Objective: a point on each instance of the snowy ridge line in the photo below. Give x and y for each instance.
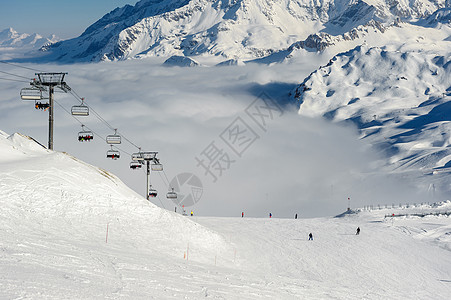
(32, 139)
(243, 29)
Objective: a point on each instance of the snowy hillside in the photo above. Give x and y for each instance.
(398, 95)
(243, 29)
(71, 230)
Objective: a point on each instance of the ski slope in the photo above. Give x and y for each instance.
(70, 230)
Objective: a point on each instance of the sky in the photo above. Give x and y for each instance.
(66, 19)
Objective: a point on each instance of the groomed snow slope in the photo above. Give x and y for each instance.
(54, 216)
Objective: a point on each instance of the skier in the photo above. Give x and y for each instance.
(358, 231)
(242, 214)
(192, 213)
(270, 215)
(296, 216)
(310, 236)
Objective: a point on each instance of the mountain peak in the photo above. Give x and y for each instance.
(238, 29)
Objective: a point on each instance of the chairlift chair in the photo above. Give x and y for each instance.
(80, 110)
(137, 156)
(85, 135)
(135, 165)
(32, 93)
(152, 192)
(41, 106)
(113, 154)
(113, 138)
(171, 195)
(156, 167)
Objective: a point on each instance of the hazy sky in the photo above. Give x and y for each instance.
(66, 19)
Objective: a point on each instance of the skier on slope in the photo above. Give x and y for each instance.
(310, 236)
(358, 231)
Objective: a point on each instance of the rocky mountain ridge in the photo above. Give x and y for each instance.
(233, 29)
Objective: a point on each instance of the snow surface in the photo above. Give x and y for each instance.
(71, 230)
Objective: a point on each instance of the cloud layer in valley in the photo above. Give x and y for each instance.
(290, 165)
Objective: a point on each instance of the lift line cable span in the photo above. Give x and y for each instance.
(96, 134)
(11, 74)
(17, 80)
(19, 66)
(72, 92)
(102, 119)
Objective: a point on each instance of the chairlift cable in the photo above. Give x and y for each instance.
(16, 75)
(93, 110)
(14, 80)
(8, 63)
(160, 201)
(169, 183)
(98, 135)
(125, 138)
(102, 119)
(68, 112)
(162, 178)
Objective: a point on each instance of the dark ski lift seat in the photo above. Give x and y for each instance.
(32, 93)
(80, 110)
(171, 195)
(85, 135)
(113, 138)
(41, 106)
(113, 154)
(135, 165)
(152, 193)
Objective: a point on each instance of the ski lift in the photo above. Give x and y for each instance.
(156, 166)
(113, 154)
(137, 156)
(135, 165)
(152, 192)
(41, 106)
(171, 195)
(85, 135)
(113, 138)
(80, 110)
(32, 93)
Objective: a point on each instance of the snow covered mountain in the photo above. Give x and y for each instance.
(234, 29)
(398, 95)
(71, 230)
(15, 45)
(11, 38)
